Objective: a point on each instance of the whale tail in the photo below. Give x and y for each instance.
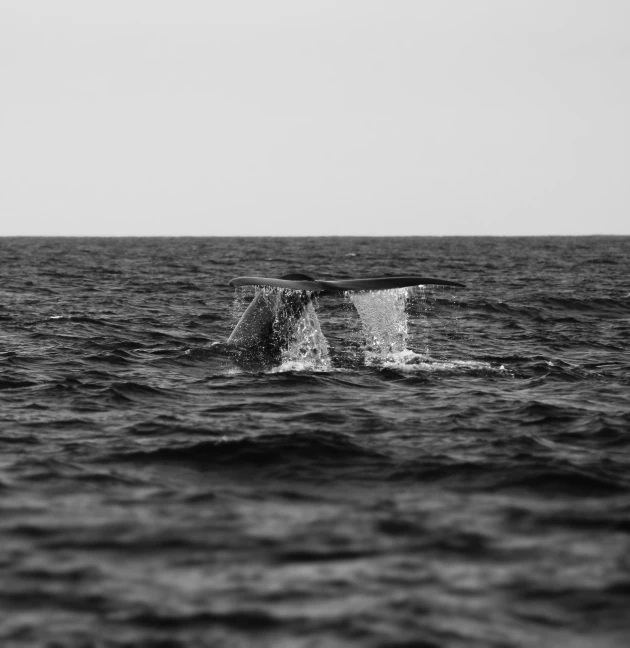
(267, 325)
(303, 282)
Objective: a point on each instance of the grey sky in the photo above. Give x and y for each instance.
(314, 117)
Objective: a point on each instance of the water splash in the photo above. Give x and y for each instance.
(385, 317)
(409, 362)
(242, 296)
(308, 348)
(293, 333)
(385, 327)
(384, 320)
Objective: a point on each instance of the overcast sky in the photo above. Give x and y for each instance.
(314, 117)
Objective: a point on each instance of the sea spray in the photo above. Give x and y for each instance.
(242, 296)
(308, 348)
(384, 320)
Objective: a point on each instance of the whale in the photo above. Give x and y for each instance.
(266, 327)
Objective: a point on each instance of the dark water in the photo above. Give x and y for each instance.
(473, 491)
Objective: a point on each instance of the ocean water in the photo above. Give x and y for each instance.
(426, 467)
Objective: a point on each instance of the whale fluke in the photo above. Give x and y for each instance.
(266, 327)
(302, 282)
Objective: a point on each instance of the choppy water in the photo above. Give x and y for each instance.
(456, 473)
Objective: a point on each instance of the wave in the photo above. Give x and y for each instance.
(524, 464)
(542, 308)
(320, 450)
(252, 620)
(603, 305)
(85, 319)
(528, 474)
(15, 383)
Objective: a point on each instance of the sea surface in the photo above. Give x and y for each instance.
(425, 467)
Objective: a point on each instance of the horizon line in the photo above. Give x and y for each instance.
(298, 236)
(164, 236)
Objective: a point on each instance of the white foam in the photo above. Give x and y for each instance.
(411, 362)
